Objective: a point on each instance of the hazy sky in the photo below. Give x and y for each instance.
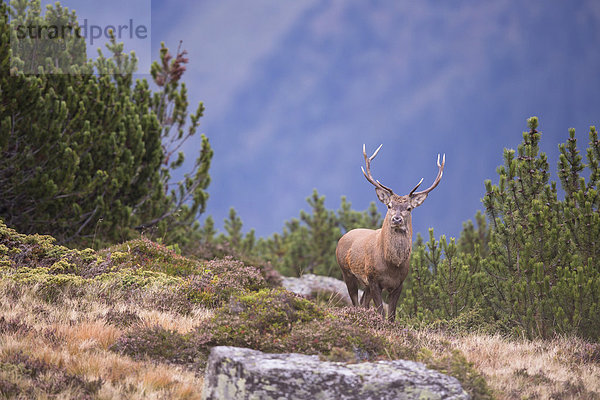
(293, 89)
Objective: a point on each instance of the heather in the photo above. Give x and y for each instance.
(140, 319)
(141, 302)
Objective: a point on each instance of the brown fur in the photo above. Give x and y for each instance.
(380, 259)
(377, 259)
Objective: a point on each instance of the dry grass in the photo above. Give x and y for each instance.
(89, 335)
(72, 338)
(177, 323)
(524, 369)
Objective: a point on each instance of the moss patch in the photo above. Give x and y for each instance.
(260, 320)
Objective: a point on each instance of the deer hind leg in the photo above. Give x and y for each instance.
(375, 291)
(352, 285)
(366, 298)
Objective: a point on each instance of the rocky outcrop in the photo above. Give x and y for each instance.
(236, 373)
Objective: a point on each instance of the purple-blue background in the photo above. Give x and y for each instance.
(294, 88)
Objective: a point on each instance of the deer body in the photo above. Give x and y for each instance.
(380, 259)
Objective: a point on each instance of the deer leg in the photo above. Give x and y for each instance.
(366, 298)
(393, 301)
(375, 291)
(352, 285)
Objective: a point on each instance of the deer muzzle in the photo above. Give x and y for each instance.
(397, 220)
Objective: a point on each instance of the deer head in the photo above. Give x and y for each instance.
(398, 216)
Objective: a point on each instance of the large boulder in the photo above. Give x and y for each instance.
(236, 373)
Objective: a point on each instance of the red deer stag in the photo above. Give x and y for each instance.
(379, 259)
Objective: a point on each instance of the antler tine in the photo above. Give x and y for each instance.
(415, 188)
(438, 178)
(368, 175)
(374, 153)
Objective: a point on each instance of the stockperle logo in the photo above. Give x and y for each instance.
(60, 39)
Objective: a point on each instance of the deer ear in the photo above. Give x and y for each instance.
(383, 195)
(417, 200)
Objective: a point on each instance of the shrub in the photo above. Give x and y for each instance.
(12, 326)
(121, 318)
(278, 321)
(365, 318)
(48, 286)
(39, 251)
(260, 320)
(333, 337)
(219, 279)
(145, 254)
(162, 345)
(129, 278)
(271, 275)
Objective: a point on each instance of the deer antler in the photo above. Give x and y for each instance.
(368, 175)
(437, 179)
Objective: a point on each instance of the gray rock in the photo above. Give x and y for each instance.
(307, 284)
(236, 373)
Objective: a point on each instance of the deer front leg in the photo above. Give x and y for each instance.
(375, 291)
(352, 285)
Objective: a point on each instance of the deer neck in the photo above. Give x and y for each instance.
(396, 245)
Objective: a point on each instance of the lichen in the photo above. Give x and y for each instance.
(243, 373)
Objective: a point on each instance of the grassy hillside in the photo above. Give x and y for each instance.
(137, 321)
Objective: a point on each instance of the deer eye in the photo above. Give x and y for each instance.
(409, 208)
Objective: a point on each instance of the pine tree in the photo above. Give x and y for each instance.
(208, 232)
(233, 227)
(542, 277)
(582, 200)
(417, 300)
(534, 271)
(48, 44)
(442, 281)
(351, 219)
(475, 240)
(577, 286)
(242, 244)
(86, 157)
(289, 251)
(452, 283)
(323, 232)
(176, 218)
